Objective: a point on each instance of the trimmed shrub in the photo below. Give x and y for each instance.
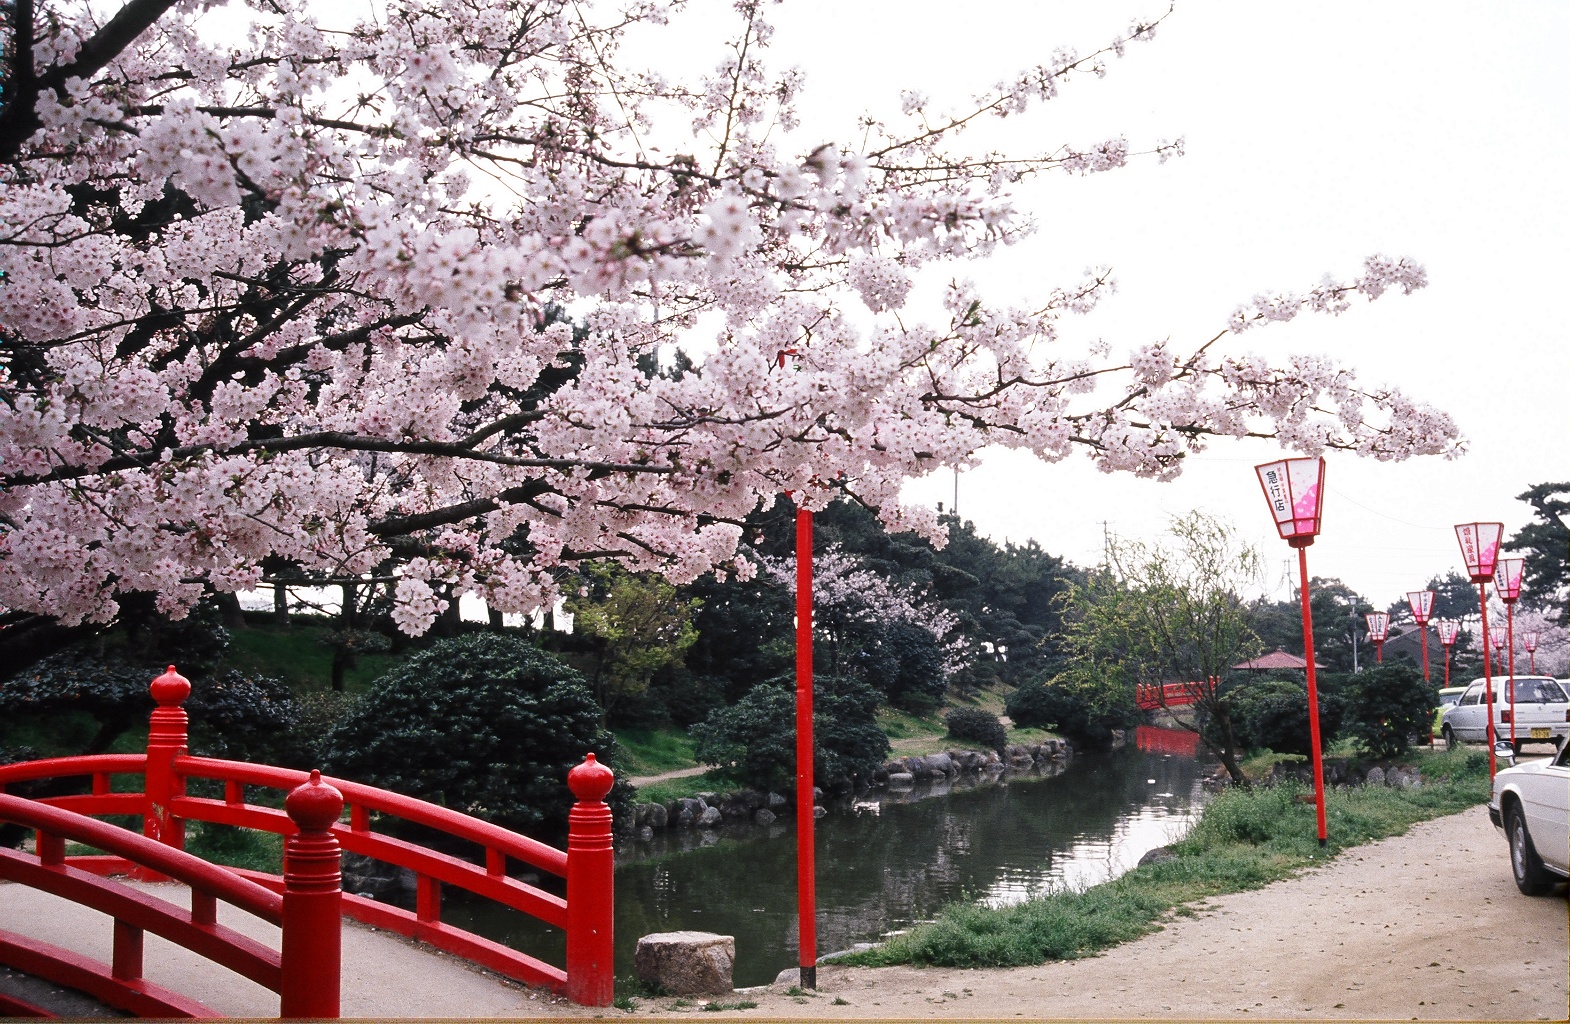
(753, 742)
(978, 726)
(1386, 707)
(487, 724)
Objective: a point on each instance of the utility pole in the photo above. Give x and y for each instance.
(1352, 614)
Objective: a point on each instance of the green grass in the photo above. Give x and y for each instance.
(235, 847)
(652, 751)
(1244, 839)
(675, 789)
(745, 1004)
(298, 657)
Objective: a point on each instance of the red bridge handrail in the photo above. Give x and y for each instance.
(164, 807)
(134, 913)
(381, 801)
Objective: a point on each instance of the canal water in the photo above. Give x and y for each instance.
(887, 860)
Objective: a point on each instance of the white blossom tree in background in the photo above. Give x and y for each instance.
(282, 285)
(846, 594)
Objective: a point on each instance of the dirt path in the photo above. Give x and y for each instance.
(1423, 926)
(679, 773)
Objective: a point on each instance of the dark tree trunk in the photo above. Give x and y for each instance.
(229, 608)
(351, 612)
(496, 618)
(280, 604)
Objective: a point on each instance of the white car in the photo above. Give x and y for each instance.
(1541, 713)
(1531, 802)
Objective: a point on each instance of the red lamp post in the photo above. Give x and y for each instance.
(1448, 629)
(1507, 584)
(1529, 641)
(1480, 551)
(1378, 632)
(1422, 604)
(806, 876)
(1294, 489)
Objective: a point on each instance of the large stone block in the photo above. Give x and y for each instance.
(686, 963)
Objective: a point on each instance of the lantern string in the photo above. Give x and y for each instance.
(1383, 515)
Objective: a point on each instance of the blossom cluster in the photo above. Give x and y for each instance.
(386, 299)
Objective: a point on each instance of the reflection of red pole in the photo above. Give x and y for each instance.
(1313, 693)
(1510, 632)
(1488, 676)
(806, 892)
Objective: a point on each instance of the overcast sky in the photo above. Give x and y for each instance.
(1316, 134)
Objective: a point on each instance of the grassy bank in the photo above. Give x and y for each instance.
(1244, 839)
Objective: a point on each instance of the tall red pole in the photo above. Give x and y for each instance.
(1424, 628)
(312, 892)
(1313, 691)
(806, 887)
(1510, 632)
(591, 871)
(1488, 676)
(1379, 652)
(1447, 666)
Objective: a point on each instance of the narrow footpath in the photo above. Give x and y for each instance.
(1425, 926)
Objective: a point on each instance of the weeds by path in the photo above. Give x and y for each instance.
(1244, 839)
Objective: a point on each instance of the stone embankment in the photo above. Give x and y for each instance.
(708, 810)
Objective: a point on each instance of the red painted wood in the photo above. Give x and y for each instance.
(806, 868)
(65, 767)
(400, 853)
(239, 953)
(312, 919)
(72, 970)
(427, 899)
(166, 740)
(127, 962)
(454, 823)
(591, 863)
(11, 1006)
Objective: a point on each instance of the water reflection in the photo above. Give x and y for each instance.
(885, 860)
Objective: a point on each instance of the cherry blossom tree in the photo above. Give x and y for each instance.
(283, 283)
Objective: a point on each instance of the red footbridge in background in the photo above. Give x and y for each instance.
(1150, 696)
(306, 901)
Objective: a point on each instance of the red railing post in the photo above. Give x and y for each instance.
(591, 864)
(166, 740)
(312, 892)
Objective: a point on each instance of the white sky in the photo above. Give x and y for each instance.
(1316, 134)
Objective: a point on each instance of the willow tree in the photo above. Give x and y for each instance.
(1170, 612)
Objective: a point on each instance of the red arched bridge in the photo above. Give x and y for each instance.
(1150, 696)
(306, 901)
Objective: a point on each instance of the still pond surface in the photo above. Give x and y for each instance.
(886, 860)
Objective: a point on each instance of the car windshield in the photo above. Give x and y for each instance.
(1538, 691)
(1447, 699)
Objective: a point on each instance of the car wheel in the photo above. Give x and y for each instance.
(1516, 747)
(1530, 876)
(1451, 743)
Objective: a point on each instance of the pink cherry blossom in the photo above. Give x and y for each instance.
(384, 295)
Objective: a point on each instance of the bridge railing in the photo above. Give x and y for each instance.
(164, 807)
(304, 971)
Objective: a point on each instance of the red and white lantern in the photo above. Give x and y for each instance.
(1378, 630)
(1295, 490)
(1480, 548)
(1448, 629)
(1422, 605)
(1507, 579)
(1529, 641)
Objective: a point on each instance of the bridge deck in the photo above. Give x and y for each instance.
(383, 975)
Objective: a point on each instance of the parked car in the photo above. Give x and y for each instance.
(1531, 803)
(1541, 713)
(1448, 697)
